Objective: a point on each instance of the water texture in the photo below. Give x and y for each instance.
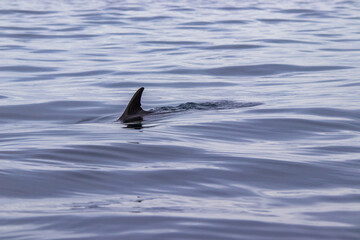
(256, 136)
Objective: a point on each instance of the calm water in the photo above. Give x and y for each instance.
(260, 136)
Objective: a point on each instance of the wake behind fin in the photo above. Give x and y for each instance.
(133, 110)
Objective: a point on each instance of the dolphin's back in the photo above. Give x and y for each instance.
(133, 111)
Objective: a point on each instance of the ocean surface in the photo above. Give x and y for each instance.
(257, 134)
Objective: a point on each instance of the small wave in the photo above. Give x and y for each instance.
(243, 70)
(26, 68)
(340, 49)
(125, 9)
(218, 105)
(106, 22)
(233, 47)
(49, 51)
(27, 12)
(280, 20)
(328, 35)
(231, 8)
(296, 11)
(23, 28)
(68, 29)
(181, 9)
(286, 41)
(45, 36)
(233, 21)
(12, 47)
(152, 18)
(173, 42)
(198, 23)
(256, 70)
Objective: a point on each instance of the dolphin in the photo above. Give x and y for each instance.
(133, 112)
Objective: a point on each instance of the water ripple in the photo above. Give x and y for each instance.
(27, 68)
(253, 133)
(44, 36)
(25, 12)
(233, 46)
(172, 42)
(256, 70)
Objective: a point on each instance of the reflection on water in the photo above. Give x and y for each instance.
(254, 132)
(135, 125)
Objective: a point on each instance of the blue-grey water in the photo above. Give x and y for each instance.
(257, 136)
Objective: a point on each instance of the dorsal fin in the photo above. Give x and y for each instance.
(134, 106)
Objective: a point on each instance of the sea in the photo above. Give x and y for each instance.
(254, 132)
